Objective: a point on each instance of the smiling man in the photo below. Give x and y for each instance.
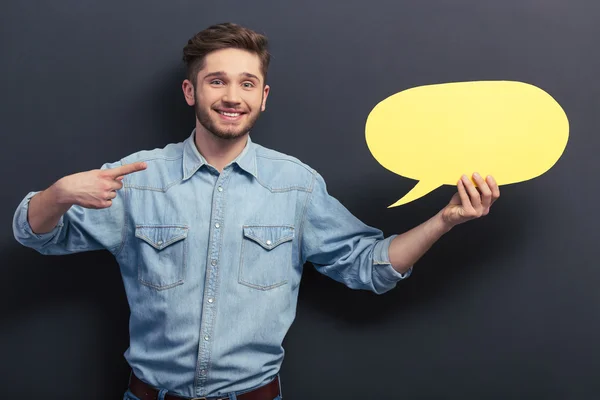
(235, 115)
(211, 234)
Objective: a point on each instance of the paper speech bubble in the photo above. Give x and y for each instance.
(511, 130)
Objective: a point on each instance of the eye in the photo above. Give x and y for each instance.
(216, 82)
(248, 85)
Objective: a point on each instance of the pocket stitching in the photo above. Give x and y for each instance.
(272, 245)
(165, 245)
(262, 245)
(139, 234)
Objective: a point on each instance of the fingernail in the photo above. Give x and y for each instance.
(476, 175)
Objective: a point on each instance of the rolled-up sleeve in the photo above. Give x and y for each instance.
(342, 247)
(79, 229)
(23, 232)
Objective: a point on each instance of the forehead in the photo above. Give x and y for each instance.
(232, 62)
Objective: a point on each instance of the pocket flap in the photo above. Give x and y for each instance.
(269, 237)
(161, 236)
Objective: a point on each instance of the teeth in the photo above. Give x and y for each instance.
(230, 114)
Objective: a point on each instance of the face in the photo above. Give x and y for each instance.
(230, 93)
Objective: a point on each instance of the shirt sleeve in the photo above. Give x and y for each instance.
(343, 248)
(79, 229)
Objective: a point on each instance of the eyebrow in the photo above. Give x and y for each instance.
(222, 74)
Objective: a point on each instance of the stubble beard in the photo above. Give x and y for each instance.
(207, 118)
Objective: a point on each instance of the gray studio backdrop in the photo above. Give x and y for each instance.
(503, 307)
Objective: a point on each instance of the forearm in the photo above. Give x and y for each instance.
(406, 249)
(45, 210)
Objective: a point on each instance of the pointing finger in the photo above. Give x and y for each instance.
(126, 169)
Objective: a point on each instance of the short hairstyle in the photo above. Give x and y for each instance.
(224, 36)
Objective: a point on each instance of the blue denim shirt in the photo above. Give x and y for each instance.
(211, 262)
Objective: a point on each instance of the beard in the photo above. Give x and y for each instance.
(208, 118)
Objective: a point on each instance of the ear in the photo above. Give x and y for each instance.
(265, 95)
(188, 92)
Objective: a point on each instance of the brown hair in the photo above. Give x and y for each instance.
(224, 36)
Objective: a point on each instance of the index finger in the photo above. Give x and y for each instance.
(494, 187)
(126, 169)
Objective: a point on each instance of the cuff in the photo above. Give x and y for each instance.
(382, 265)
(21, 227)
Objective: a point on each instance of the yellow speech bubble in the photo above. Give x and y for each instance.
(511, 130)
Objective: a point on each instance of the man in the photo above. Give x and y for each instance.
(211, 234)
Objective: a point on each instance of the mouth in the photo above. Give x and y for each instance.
(230, 115)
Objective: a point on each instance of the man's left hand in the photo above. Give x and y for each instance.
(471, 202)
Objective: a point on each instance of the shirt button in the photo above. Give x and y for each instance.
(217, 225)
(211, 300)
(220, 189)
(268, 242)
(213, 262)
(206, 338)
(160, 242)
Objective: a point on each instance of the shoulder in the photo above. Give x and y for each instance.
(164, 168)
(280, 171)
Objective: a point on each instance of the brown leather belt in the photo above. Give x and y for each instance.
(146, 392)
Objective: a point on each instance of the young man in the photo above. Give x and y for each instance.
(211, 234)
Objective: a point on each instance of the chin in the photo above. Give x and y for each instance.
(223, 130)
(228, 135)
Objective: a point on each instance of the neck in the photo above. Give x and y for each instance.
(218, 152)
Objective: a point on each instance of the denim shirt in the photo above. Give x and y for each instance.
(211, 262)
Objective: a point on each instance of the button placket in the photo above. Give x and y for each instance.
(210, 294)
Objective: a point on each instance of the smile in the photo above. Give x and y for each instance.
(231, 116)
(228, 114)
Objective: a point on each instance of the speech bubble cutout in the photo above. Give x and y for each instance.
(513, 131)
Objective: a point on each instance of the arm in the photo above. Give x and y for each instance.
(60, 219)
(46, 210)
(469, 203)
(342, 247)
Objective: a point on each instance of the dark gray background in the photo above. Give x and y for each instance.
(503, 307)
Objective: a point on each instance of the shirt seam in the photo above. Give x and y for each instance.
(283, 158)
(124, 227)
(309, 198)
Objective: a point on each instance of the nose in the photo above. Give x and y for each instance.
(232, 96)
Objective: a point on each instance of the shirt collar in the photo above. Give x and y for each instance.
(193, 160)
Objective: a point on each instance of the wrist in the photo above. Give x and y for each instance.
(442, 223)
(59, 195)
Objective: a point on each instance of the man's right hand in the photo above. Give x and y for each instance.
(95, 188)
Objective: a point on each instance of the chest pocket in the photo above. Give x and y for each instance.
(163, 253)
(266, 256)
